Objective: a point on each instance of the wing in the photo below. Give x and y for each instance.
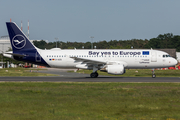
(98, 63)
(89, 62)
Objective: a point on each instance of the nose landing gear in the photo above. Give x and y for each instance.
(153, 74)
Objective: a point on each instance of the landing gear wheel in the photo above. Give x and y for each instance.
(94, 75)
(97, 74)
(153, 76)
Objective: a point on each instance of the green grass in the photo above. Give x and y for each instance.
(22, 72)
(89, 101)
(139, 73)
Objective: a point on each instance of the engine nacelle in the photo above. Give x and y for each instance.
(115, 69)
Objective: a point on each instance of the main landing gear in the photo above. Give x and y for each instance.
(153, 74)
(94, 75)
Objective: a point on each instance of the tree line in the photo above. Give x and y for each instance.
(166, 41)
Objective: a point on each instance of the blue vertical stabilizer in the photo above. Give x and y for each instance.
(18, 39)
(23, 49)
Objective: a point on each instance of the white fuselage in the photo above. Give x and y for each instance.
(131, 58)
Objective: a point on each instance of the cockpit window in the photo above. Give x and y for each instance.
(164, 56)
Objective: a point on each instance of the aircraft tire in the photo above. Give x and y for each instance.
(153, 76)
(94, 75)
(97, 74)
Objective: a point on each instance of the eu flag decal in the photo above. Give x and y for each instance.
(145, 52)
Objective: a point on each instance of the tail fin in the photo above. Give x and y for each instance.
(19, 40)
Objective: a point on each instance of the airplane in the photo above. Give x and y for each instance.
(112, 61)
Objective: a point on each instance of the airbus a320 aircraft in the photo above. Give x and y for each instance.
(112, 61)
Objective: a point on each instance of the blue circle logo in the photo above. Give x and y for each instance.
(18, 41)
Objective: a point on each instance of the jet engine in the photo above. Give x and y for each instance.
(115, 69)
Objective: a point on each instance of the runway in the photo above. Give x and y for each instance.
(65, 76)
(88, 79)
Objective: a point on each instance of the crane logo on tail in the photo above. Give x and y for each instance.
(18, 41)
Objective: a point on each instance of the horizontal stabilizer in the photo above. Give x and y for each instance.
(14, 54)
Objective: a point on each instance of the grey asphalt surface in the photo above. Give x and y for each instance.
(76, 77)
(88, 79)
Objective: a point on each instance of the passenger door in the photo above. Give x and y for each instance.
(153, 56)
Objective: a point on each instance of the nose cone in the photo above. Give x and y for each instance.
(174, 62)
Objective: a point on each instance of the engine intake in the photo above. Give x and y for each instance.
(115, 69)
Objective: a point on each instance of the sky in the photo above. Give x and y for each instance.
(77, 20)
